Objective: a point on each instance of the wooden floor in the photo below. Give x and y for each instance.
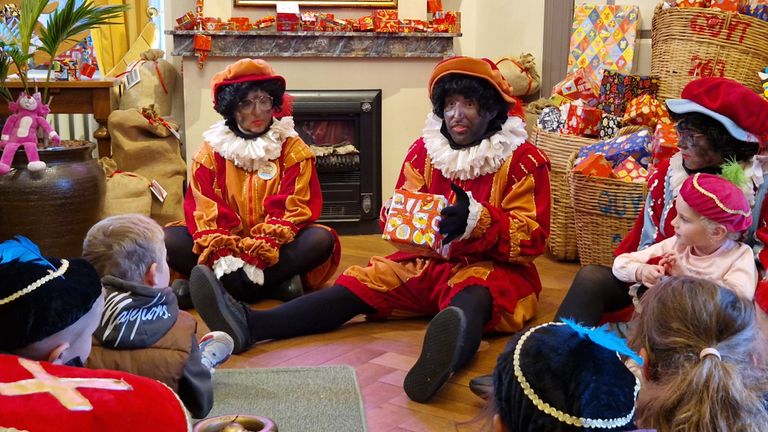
(383, 352)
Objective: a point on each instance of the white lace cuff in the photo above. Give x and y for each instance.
(255, 274)
(475, 209)
(227, 264)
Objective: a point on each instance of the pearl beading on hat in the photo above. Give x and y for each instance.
(554, 412)
(38, 283)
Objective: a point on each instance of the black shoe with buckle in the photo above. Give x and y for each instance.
(219, 310)
(439, 353)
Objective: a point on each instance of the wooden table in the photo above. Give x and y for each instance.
(78, 97)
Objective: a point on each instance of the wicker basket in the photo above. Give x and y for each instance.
(558, 147)
(694, 42)
(605, 210)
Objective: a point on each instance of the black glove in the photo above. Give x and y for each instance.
(454, 217)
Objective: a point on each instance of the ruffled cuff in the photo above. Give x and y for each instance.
(282, 231)
(260, 251)
(210, 247)
(255, 274)
(226, 265)
(475, 210)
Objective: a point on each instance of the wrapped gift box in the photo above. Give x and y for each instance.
(241, 23)
(386, 21)
(87, 70)
(365, 23)
(630, 171)
(550, 119)
(759, 11)
(617, 149)
(186, 21)
(594, 165)
(663, 143)
(693, 3)
(609, 126)
(412, 222)
(616, 90)
(288, 16)
(576, 86)
(267, 21)
(726, 5)
(603, 38)
(646, 110)
(451, 19)
(580, 120)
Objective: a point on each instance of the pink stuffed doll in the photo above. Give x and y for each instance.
(21, 130)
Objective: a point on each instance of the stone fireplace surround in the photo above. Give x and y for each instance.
(402, 81)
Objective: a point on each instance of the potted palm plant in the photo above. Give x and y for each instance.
(52, 196)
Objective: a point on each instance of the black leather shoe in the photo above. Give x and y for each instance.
(482, 386)
(180, 287)
(288, 290)
(442, 343)
(219, 310)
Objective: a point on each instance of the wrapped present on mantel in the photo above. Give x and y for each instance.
(581, 120)
(412, 222)
(386, 21)
(288, 16)
(617, 149)
(630, 171)
(594, 165)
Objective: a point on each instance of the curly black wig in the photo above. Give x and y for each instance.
(487, 96)
(717, 135)
(228, 96)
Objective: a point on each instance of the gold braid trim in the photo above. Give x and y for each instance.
(715, 199)
(38, 283)
(554, 412)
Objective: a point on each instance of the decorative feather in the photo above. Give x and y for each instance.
(732, 171)
(23, 250)
(604, 338)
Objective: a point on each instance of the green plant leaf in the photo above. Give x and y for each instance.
(66, 23)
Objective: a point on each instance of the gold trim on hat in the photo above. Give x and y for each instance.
(716, 199)
(582, 422)
(38, 283)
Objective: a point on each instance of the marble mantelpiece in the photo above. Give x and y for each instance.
(317, 44)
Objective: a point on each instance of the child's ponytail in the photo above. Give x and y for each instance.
(703, 370)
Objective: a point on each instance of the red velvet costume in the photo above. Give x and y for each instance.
(508, 179)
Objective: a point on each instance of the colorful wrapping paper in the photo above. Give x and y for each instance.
(576, 86)
(412, 222)
(726, 5)
(617, 149)
(692, 3)
(759, 11)
(664, 143)
(616, 90)
(550, 119)
(630, 171)
(594, 165)
(646, 110)
(580, 120)
(609, 126)
(603, 37)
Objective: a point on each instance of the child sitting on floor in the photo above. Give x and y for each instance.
(142, 330)
(705, 367)
(48, 310)
(711, 214)
(560, 377)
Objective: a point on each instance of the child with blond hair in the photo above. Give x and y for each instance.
(712, 212)
(142, 330)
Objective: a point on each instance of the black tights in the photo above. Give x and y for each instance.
(328, 309)
(594, 291)
(311, 247)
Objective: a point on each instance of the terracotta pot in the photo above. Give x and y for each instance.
(248, 422)
(55, 207)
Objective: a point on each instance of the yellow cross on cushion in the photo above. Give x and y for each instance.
(63, 389)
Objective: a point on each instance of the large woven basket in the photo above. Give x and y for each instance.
(604, 210)
(690, 43)
(558, 147)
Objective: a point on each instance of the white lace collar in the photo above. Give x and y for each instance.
(753, 171)
(250, 154)
(484, 158)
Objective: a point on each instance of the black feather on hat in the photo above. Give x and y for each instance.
(556, 379)
(41, 296)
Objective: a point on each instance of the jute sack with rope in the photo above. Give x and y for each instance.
(520, 72)
(158, 78)
(126, 192)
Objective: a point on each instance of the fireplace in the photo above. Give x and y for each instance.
(343, 128)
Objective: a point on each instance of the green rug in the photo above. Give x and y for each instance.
(316, 399)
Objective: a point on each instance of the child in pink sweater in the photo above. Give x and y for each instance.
(712, 212)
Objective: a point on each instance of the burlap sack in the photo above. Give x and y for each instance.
(158, 78)
(127, 193)
(520, 72)
(151, 151)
